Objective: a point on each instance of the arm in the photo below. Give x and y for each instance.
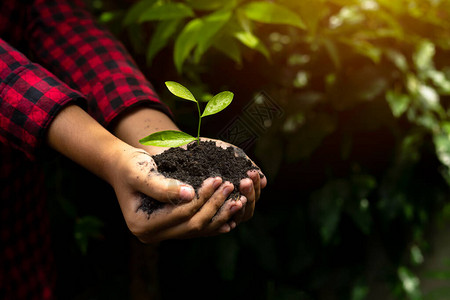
(89, 58)
(141, 122)
(131, 172)
(30, 97)
(35, 106)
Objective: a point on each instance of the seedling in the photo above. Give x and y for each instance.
(173, 138)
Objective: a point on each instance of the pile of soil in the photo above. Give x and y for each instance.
(199, 162)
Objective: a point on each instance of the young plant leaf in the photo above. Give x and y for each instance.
(167, 138)
(218, 103)
(180, 91)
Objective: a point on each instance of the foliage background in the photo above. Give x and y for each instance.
(358, 160)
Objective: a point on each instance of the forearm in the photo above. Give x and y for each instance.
(141, 122)
(79, 137)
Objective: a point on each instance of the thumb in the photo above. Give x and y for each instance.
(166, 190)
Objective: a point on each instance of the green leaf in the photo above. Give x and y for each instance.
(167, 138)
(398, 59)
(211, 26)
(410, 283)
(180, 91)
(164, 31)
(136, 10)
(218, 103)
(364, 48)
(440, 80)
(311, 12)
(108, 16)
(186, 41)
(423, 57)
(166, 11)
(253, 42)
(442, 144)
(211, 4)
(228, 46)
(429, 97)
(199, 33)
(333, 52)
(271, 13)
(398, 102)
(242, 21)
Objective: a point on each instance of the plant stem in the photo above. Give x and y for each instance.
(199, 123)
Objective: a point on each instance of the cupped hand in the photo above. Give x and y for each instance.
(183, 214)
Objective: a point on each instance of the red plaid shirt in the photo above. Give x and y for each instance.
(74, 61)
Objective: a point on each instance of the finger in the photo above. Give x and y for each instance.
(173, 213)
(239, 216)
(227, 227)
(208, 188)
(222, 221)
(246, 188)
(226, 213)
(183, 212)
(198, 225)
(263, 181)
(240, 153)
(165, 189)
(254, 176)
(213, 205)
(223, 229)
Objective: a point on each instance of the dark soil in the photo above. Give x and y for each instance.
(199, 162)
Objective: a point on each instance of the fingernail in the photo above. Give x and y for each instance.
(243, 200)
(186, 193)
(225, 228)
(235, 209)
(227, 190)
(217, 182)
(233, 224)
(249, 187)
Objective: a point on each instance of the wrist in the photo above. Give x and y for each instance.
(79, 137)
(139, 123)
(116, 153)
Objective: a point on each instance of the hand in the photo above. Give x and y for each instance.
(132, 173)
(250, 187)
(141, 122)
(182, 214)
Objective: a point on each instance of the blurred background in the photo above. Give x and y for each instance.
(344, 104)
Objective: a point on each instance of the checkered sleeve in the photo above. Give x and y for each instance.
(67, 40)
(30, 97)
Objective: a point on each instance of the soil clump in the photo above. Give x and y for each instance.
(197, 163)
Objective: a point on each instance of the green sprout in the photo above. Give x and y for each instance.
(173, 138)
